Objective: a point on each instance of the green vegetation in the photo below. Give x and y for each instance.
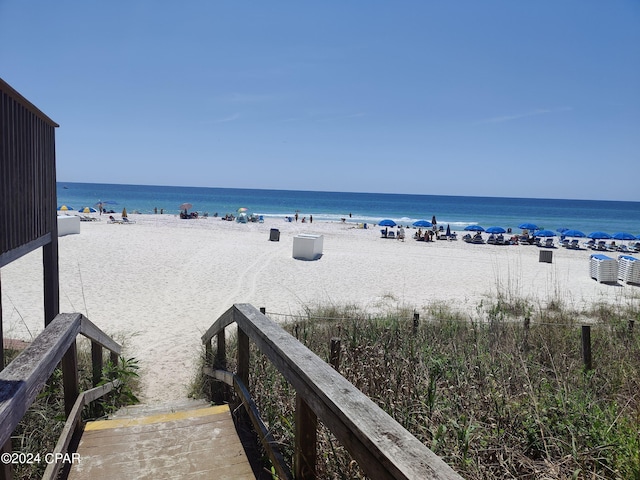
(39, 429)
(502, 393)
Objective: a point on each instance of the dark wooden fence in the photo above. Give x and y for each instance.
(28, 190)
(28, 218)
(380, 445)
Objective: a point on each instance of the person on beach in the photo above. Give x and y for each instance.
(296, 216)
(310, 218)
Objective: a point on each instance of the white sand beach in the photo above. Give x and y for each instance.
(160, 283)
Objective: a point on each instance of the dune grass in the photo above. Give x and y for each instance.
(499, 393)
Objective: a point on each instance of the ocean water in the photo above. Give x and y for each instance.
(457, 211)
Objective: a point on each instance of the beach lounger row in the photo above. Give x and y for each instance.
(602, 246)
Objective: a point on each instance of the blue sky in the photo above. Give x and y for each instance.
(497, 98)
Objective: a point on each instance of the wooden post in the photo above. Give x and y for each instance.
(586, 347)
(219, 390)
(416, 323)
(335, 353)
(70, 378)
(51, 276)
(96, 362)
(243, 357)
(306, 425)
(114, 360)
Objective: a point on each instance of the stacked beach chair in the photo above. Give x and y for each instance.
(604, 269)
(628, 269)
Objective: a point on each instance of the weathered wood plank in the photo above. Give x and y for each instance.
(7, 257)
(194, 444)
(23, 378)
(223, 321)
(91, 331)
(380, 445)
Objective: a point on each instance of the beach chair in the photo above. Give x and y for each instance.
(491, 240)
(125, 220)
(574, 244)
(548, 243)
(391, 234)
(112, 219)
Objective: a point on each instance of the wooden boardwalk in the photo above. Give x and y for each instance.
(196, 443)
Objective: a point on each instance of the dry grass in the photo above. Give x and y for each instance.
(493, 398)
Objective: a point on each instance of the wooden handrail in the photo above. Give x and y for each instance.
(380, 445)
(24, 377)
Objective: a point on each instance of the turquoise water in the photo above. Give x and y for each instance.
(585, 215)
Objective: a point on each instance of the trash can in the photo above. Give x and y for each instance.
(546, 256)
(274, 235)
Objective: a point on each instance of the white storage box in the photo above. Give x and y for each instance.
(604, 269)
(628, 269)
(68, 224)
(307, 247)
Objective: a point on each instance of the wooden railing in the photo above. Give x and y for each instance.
(380, 445)
(24, 377)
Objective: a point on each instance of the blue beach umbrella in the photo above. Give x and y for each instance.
(474, 228)
(495, 230)
(562, 231)
(623, 236)
(545, 233)
(573, 233)
(528, 226)
(65, 208)
(421, 223)
(387, 222)
(87, 210)
(599, 235)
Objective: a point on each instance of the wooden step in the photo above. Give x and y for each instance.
(195, 443)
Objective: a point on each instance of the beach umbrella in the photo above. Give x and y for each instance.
(562, 231)
(599, 235)
(65, 208)
(87, 210)
(422, 223)
(448, 232)
(623, 236)
(545, 233)
(528, 226)
(387, 222)
(124, 212)
(243, 209)
(474, 228)
(573, 233)
(186, 206)
(495, 230)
